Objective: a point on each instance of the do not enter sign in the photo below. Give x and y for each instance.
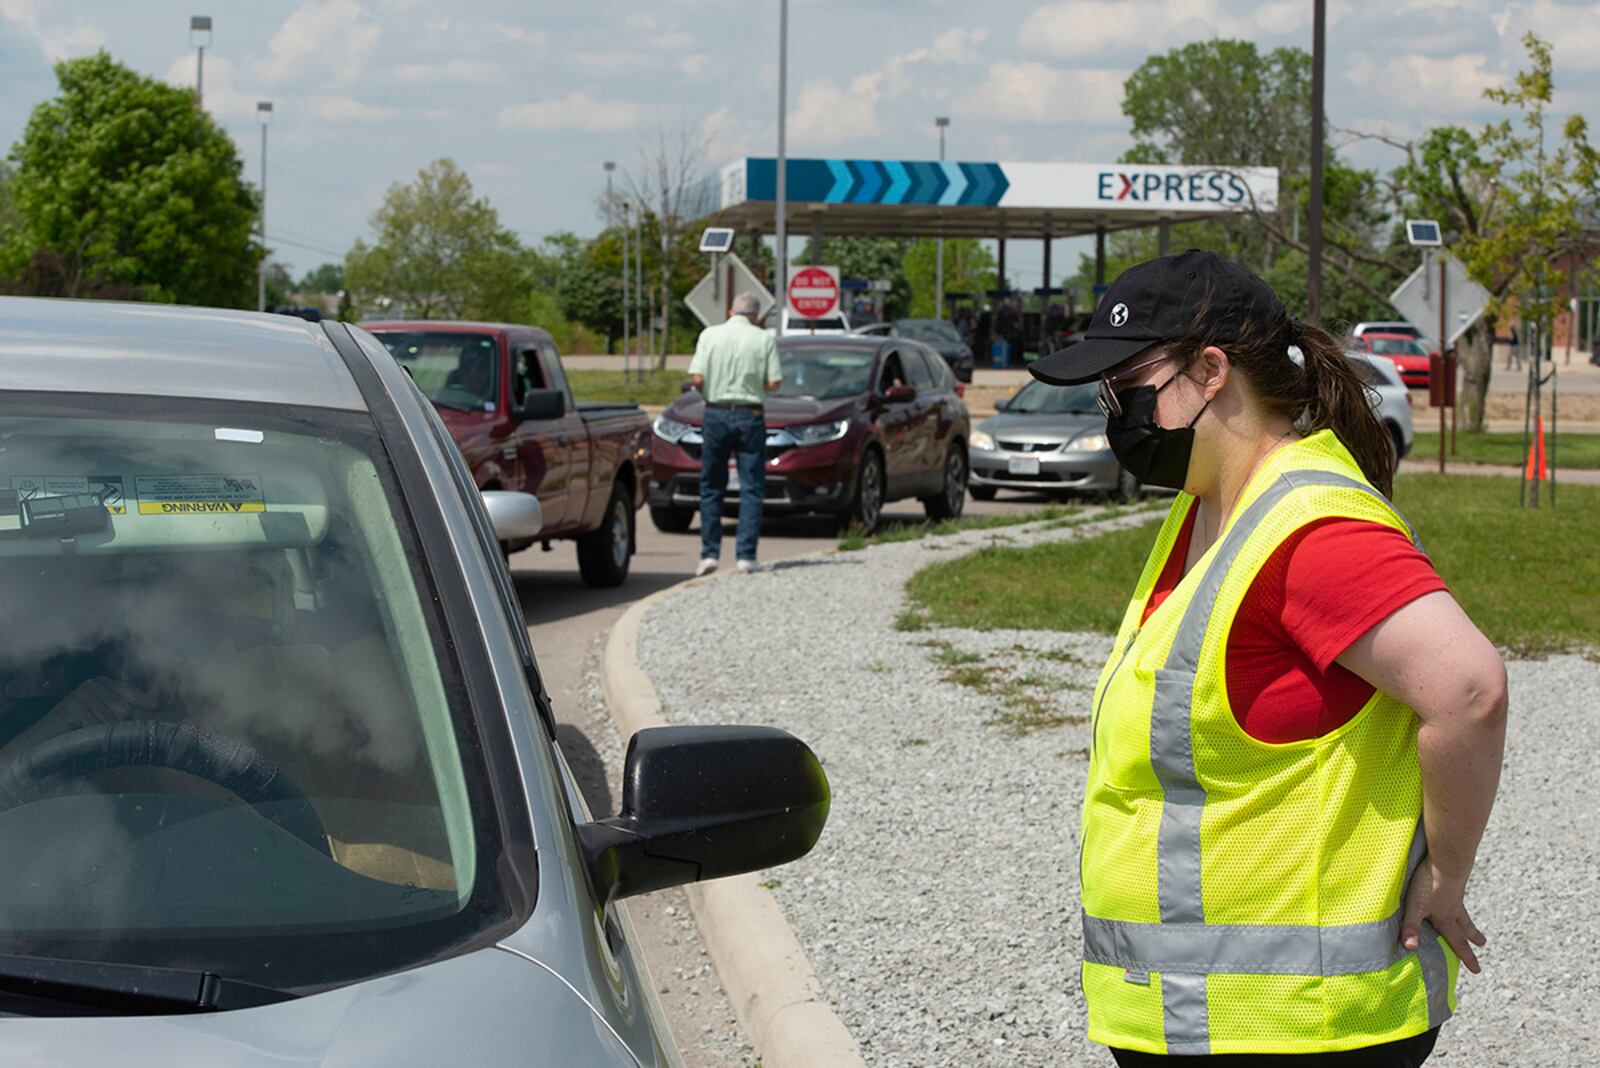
(814, 292)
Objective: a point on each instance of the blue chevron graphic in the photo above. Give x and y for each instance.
(924, 183)
(1001, 182)
(901, 182)
(982, 186)
(842, 181)
(955, 183)
(872, 182)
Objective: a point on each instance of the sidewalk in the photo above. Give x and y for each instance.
(1425, 465)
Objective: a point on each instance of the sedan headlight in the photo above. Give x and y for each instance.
(670, 429)
(818, 433)
(980, 440)
(1087, 443)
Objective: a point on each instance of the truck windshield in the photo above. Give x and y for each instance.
(453, 370)
(232, 735)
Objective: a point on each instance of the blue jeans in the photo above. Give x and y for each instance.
(741, 433)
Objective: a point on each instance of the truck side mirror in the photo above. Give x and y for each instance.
(541, 404)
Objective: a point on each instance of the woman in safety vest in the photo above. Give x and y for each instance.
(1297, 738)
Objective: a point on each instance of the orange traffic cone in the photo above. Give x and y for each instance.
(1536, 466)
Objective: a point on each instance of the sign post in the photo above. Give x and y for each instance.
(814, 292)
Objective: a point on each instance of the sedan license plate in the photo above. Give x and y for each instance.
(1022, 465)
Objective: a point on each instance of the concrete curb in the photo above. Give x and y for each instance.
(774, 993)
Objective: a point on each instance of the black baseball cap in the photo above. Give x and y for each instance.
(1158, 300)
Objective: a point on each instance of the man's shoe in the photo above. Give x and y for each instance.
(748, 566)
(708, 564)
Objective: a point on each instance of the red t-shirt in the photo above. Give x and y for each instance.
(1329, 583)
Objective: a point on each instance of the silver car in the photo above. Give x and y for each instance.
(1047, 439)
(278, 782)
(1390, 397)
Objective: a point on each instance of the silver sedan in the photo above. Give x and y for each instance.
(278, 777)
(1047, 439)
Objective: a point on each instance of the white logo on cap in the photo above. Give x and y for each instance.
(1119, 315)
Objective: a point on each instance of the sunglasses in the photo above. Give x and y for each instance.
(1110, 406)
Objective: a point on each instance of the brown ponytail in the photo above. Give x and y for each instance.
(1322, 391)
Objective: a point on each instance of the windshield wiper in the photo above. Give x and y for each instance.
(131, 988)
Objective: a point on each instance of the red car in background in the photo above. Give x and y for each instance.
(856, 422)
(1409, 355)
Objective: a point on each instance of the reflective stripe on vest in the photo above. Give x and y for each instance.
(1182, 947)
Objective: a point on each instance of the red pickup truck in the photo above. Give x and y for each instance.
(502, 392)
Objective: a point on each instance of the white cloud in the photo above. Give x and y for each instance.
(1077, 28)
(1037, 92)
(1573, 31)
(1283, 15)
(728, 137)
(456, 71)
(56, 40)
(321, 39)
(697, 65)
(1427, 87)
(577, 111)
(346, 109)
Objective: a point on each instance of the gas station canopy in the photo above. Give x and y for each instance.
(921, 198)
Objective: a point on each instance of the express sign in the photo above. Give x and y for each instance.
(814, 292)
(1202, 187)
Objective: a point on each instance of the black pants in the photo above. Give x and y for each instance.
(1407, 1053)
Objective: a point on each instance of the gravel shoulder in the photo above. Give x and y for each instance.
(940, 909)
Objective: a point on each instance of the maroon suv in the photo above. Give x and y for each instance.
(857, 421)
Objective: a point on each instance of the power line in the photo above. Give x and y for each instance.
(281, 240)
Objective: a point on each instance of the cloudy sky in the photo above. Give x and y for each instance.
(530, 97)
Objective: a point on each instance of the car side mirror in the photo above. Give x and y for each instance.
(704, 802)
(514, 516)
(541, 404)
(687, 387)
(899, 394)
(1001, 404)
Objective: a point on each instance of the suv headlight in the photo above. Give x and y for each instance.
(1087, 443)
(818, 433)
(670, 429)
(981, 440)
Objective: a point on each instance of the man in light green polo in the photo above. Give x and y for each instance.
(735, 366)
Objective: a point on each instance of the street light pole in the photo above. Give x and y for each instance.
(938, 271)
(264, 117)
(780, 292)
(200, 36)
(1319, 48)
(611, 166)
(627, 312)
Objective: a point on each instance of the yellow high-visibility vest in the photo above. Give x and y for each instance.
(1242, 896)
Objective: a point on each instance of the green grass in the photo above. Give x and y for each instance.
(1570, 450)
(1529, 579)
(656, 387)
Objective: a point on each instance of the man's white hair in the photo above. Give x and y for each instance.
(746, 304)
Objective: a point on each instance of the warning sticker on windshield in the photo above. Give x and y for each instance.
(199, 494)
(106, 487)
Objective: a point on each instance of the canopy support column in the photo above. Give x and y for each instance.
(1164, 230)
(1099, 263)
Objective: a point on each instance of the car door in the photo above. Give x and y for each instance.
(543, 457)
(894, 421)
(926, 456)
(585, 499)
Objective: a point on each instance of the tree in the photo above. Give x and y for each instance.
(868, 259)
(668, 181)
(328, 278)
(124, 186)
(968, 268)
(438, 251)
(1510, 203)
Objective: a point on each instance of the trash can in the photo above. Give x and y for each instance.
(1000, 355)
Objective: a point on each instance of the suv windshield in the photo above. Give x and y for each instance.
(231, 734)
(929, 330)
(453, 370)
(1038, 398)
(824, 374)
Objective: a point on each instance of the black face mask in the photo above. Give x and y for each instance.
(1152, 454)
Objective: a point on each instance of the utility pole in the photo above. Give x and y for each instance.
(627, 311)
(1319, 49)
(264, 117)
(638, 287)
(780, 291)
(609, 167)
(200, 37)
(942, 122)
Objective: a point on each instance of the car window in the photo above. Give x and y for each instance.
(823, 374)
(892, 374)
(223, 609)
(916, 364)
(1397, 346)
(1368, 373)
(526, 373)
(932, 330)
(558, 374)
(453, 370)
(1039, 398)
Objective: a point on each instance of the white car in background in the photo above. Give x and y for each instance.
(1392, 400)
(799, 324)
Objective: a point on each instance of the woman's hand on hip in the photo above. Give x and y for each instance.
(1440, 899)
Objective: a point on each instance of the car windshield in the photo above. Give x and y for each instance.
(232, 737)
(1038, 398)
(795, 324)
(1397, 346)
(453, 370)
(824, 374)
(929, 330)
